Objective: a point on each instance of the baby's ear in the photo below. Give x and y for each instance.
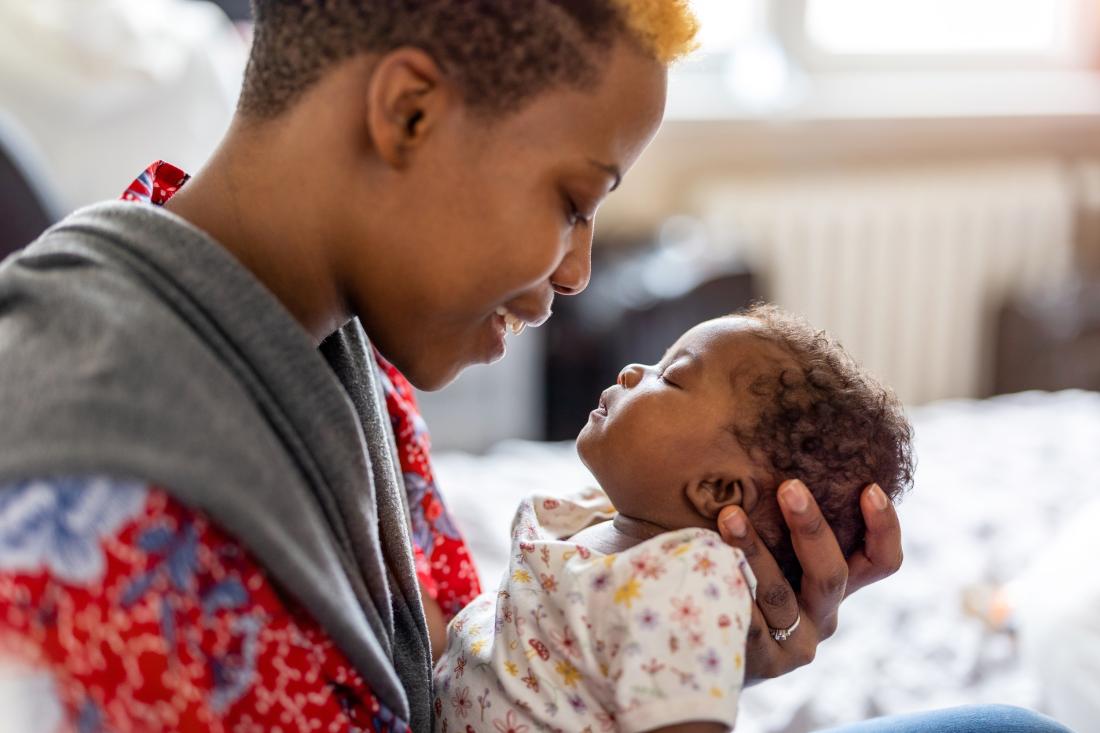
(710, 494)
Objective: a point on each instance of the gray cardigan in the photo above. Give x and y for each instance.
(133, 345)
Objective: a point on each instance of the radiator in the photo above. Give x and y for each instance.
(907, 267)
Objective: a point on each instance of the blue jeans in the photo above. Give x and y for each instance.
(966, 719)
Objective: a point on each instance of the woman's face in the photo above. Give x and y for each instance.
(499, 213)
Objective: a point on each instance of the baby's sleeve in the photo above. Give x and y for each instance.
(665, 625)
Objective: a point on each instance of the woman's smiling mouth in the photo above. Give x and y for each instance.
(512, 322)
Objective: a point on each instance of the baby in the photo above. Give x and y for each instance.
(622, 608)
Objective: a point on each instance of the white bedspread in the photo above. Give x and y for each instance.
(995, 480)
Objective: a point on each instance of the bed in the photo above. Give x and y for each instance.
(995, 480)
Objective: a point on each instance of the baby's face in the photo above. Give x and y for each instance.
(667, 427)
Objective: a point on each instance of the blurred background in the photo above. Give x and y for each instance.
(920, 177)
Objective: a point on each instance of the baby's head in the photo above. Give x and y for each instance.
(737, 406)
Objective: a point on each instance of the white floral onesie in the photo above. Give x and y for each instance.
(574, 640)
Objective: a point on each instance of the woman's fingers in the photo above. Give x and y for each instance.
(881, 554)
(766, 658)
(761, 655)
(774, 596)
(826, 577)
(824, 569)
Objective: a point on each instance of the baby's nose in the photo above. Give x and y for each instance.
(631, 375)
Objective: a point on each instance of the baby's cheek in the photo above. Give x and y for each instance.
(658, 459)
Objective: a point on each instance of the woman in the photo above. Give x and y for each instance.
(202, 525)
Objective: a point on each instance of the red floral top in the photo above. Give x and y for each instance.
(123, 610)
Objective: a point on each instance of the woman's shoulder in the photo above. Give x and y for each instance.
(97, 571)
(57, 525)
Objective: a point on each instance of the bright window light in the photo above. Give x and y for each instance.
(936, 26)
(723, 24)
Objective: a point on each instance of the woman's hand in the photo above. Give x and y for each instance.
(827, 578)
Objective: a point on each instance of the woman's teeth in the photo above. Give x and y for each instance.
(514, 324)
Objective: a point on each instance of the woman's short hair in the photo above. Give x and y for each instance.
(499, 52)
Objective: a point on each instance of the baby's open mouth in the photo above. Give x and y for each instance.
(602, 408)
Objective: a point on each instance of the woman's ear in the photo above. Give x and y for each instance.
(406, 96)
(710, 494)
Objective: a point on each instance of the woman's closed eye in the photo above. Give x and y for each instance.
(576, 214)
(577, 217)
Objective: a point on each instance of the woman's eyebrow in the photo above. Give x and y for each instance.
(611, 170)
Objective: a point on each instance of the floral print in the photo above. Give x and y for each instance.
(156, 184)
(443, 561)
(172, 625)
(121, 609)
(574, 640)
(58, 525)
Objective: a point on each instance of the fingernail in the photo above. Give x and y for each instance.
(878, 497)
(795, 496)
(735, 524)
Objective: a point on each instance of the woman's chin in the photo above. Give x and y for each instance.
(437, 371)
(439, 356)
(433, 376)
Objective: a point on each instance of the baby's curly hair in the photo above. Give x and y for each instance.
(826, 421)
(499, 52)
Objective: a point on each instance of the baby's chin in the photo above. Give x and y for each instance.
(584, 445)
(588, 450)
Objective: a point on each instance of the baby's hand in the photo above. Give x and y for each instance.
(827, 579)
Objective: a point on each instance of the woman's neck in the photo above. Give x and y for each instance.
(241, 200)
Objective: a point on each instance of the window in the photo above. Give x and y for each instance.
(943, 33)
(934, 26)
(724, 24)
(867, 58)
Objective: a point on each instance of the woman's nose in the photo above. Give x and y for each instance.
(631, 375)
(575, 269)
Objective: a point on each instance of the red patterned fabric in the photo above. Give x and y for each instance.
(156, 184)
(123, 610)
(443, 560)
